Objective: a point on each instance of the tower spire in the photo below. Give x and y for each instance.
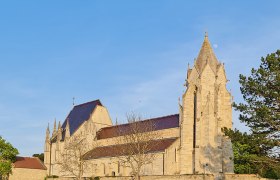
(206, 56)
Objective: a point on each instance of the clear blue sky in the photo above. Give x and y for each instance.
(132, 55)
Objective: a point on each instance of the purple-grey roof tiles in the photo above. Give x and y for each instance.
(79, 114)
(166, 122)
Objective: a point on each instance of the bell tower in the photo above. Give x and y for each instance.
(206, 109)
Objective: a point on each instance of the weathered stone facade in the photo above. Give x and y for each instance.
(28, 174)
(200, 148)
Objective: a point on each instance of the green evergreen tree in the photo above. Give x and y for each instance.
(250, 157)
(258, 152)
(261, 92)
(7, 157)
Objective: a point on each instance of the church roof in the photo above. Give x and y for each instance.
(79, 114)
(166, 122)
(29, 163)
(206, 55)
(119, 150)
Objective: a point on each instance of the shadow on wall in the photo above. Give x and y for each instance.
(217, 159)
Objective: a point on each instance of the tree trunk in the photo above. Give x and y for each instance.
(138, 175)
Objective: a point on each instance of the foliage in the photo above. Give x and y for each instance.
(261, 91)
(40, 156)
(259, 152)
(5, 169)
(251, 156)
(7, 157)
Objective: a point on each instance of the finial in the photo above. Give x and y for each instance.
(206, 34)
(188, 65)
(73, 101)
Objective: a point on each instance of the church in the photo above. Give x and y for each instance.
(192, 140)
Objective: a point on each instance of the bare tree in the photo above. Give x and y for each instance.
(71, 159)
(138, 139)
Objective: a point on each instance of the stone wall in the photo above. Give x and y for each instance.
(183, 177)
(107, 165)
(193, 177)
(166, 177)
(28, 174)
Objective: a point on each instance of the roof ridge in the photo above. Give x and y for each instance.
(97, 100)
(25, 157)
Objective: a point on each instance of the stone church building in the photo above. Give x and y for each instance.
(192, 140)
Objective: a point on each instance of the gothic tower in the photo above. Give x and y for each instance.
(206, 108)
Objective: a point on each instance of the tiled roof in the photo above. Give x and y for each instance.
(159, 123)
(29, 163)
(79, 114)
(119, 150)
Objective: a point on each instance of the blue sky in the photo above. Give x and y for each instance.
(132, 55)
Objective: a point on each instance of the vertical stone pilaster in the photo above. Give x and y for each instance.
(186, 151)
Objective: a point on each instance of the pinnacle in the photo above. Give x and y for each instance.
(48, 129)
(54, 125)
(47, 133)
(59, 125)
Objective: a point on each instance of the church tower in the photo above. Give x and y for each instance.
(206, 109)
